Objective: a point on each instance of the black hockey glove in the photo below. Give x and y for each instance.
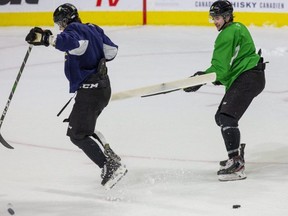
(197, 87)
(38, 36)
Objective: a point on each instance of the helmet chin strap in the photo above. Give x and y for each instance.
(223, 25)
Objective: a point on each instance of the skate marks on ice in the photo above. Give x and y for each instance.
(96, 194)
(169, 191)
(143, 188)
(165, 187)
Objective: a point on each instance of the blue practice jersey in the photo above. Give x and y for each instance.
(84, 45)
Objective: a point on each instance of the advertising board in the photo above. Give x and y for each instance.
(138, 12)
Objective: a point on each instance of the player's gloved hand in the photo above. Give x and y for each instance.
(38, 36)
(197, 87)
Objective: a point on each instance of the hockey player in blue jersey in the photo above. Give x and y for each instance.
(87, 48)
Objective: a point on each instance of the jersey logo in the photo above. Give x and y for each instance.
(90, 86)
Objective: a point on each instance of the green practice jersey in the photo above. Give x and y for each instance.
(234, 53)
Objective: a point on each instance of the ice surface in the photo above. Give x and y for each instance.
(169, 143)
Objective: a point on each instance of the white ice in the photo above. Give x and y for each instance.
(170, 143)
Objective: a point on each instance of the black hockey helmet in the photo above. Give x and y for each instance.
(65, 14)
(221, 8)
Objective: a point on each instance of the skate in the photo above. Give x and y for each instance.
(233, 170)
(112, 172)
(223, 163)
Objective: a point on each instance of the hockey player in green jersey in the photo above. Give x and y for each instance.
(241, 70)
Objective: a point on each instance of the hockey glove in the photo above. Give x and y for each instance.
(197, 87)
(38, 37)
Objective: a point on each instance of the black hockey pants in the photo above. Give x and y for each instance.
(92, 97)
(234, 104)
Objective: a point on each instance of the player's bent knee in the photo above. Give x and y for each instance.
(223, 120)
(77, 142)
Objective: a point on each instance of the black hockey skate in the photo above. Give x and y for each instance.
(112, 172)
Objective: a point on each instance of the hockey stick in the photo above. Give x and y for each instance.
(165, 92)
(164, 88)
(107, 150)
(2, 140)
